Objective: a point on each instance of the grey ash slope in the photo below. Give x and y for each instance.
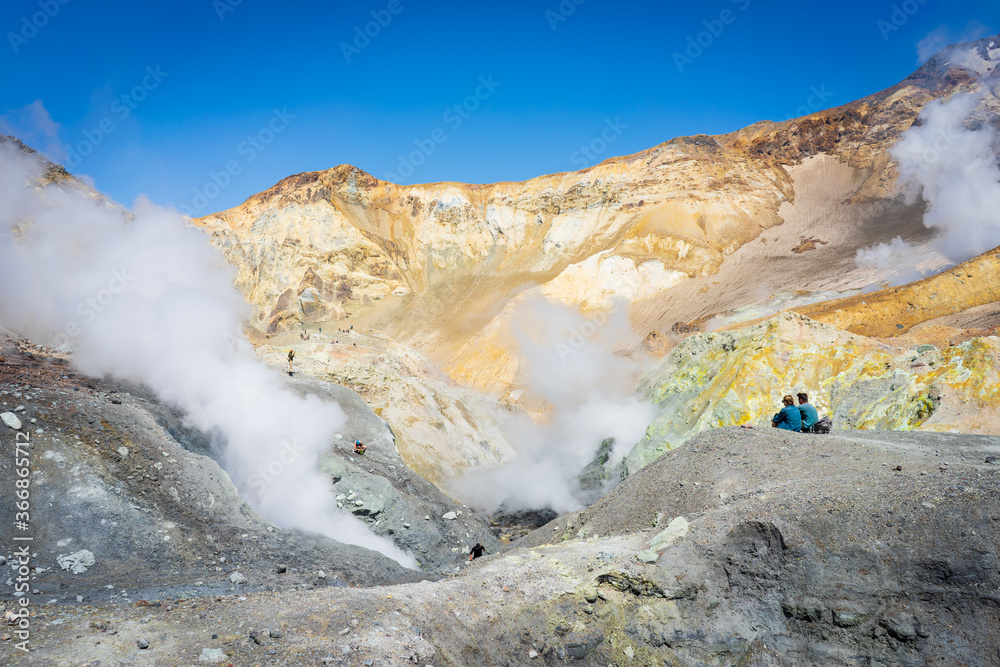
(801, 550)
(818, 547)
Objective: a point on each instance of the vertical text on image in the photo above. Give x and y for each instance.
(21, 536)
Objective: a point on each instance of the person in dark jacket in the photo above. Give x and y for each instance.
(477, 551)
(789, 418)
(807, 412)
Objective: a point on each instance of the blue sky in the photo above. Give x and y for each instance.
(200, 104)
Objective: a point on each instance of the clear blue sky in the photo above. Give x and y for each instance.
(565, 71)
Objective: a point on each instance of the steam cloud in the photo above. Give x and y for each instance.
(150, 301)
(570, 364)
(951, 163)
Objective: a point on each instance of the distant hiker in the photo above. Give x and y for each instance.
(789, 419)
(807, 412)
(359, 448)
(477, 551)
(291, 357)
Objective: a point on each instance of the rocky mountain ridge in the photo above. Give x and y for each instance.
(444, 267)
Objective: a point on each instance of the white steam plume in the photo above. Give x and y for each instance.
(568, 362)
(150, 301)
(953, 167)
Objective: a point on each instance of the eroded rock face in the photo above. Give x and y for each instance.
(729, 378)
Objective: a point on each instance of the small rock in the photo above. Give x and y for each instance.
(77, 562)
(344, 631)
(142, 643)
(902, 628)
(674, 531)
(215, 635)
(532, 654)
(647, 556)
(848, 615)
(427, 517)
(211, 655)
(237, 578)
(506, 589)
(11, 420)
(327, 660)
(353, 623)
(321, 574)
(449, 516)
(275, 634)
(281, 569)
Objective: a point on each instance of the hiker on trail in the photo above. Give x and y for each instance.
(789, 419)
(291, 356)
(807, 412)
(477, 551)
(359, 448)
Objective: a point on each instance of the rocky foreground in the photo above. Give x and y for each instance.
(744, 547)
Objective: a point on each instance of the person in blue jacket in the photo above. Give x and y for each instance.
(789, 418)
(807, 411)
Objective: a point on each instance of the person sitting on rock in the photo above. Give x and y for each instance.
(789, 419)
(807, 412)
(359, 448)
(477, 551)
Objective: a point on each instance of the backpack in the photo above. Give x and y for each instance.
(823, 425)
